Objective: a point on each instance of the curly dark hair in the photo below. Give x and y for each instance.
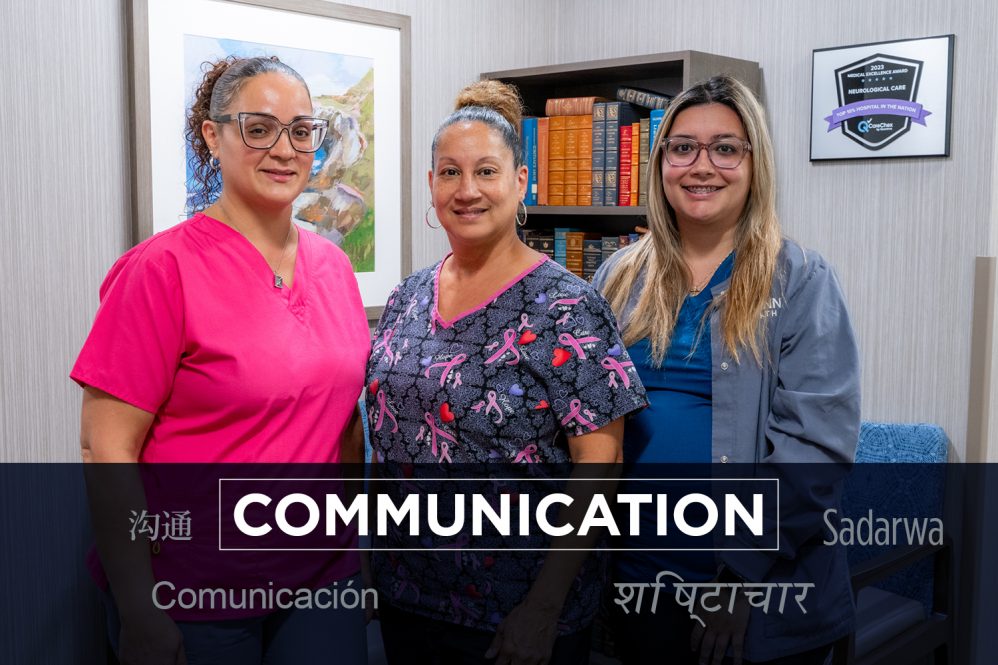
(222, 81)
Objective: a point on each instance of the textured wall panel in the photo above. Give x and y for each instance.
(64, 201)
(902, 234)
(65, 181)
(453, 42)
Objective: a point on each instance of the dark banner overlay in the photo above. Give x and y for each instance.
(463, 544)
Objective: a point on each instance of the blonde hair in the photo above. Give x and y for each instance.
(493, 103)
(658, 255)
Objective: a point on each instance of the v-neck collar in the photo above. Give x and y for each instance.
(435, 316)
(293, 295)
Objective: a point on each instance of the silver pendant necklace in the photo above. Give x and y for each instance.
(278, 280)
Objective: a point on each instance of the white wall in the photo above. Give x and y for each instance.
(65, 175)
(902, 234)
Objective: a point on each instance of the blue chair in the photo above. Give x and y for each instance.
(903, 592)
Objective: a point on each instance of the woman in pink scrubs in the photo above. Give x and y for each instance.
(234, 336)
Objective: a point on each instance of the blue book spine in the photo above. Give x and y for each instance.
(529, 133)
(598, 188)
(598, 151)
(653, 124)
(560, 242)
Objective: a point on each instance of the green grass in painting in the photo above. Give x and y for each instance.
(359, 244)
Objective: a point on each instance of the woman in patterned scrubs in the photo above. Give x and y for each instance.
(493, 356)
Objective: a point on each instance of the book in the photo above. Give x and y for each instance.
(561, 243)
(643, 163)
(575, 242)
(540, 241)
(556, 138)
(653, 122)
(582, 127)
(624, 168)
(618, 114)
(592, 257)
(598, 152)
(635, 157)
(528, 133)
(610, 186)
(610, 244)
(571, 105)
(542, 161)
(649, 99)
(597, 187)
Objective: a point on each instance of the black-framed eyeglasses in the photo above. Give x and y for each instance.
(723, 154)
(261, 131)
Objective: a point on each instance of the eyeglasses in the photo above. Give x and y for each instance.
(261, 131)
(723, 154)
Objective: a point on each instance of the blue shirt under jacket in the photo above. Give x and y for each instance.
(800, 405)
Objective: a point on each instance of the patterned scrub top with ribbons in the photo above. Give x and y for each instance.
(500, 387)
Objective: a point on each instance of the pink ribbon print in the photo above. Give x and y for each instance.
(508, 344)
(491, 405)
(524, 322)
(434, 431)
(528, 454)
(576, 343)
(447, 366)
(566, 301)
(412, 306)
(386, 344)
(575, 413)
(383, 411)
(616, 369)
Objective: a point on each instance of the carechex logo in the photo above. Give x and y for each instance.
(692, 514)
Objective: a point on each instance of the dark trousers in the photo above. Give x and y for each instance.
(283, 637)
(663, 638)
(411, 639)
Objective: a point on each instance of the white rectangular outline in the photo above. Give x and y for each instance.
(492, 549)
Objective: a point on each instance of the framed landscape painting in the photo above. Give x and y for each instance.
(356, 64)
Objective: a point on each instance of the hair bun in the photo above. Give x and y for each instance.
(502, 98)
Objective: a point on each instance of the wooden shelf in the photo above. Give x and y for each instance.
(667, 73)
(591, 211)
(664, 72)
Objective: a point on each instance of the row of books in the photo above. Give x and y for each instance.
(597, 157)
(580, 252)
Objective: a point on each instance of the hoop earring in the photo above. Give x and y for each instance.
(521, 221)
(214, 163)
(426, 219)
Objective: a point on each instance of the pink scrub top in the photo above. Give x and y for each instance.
(191, 328)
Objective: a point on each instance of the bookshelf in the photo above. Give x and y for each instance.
(663, 72)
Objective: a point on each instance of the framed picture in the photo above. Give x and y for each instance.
(356, 64)
(888, 99)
